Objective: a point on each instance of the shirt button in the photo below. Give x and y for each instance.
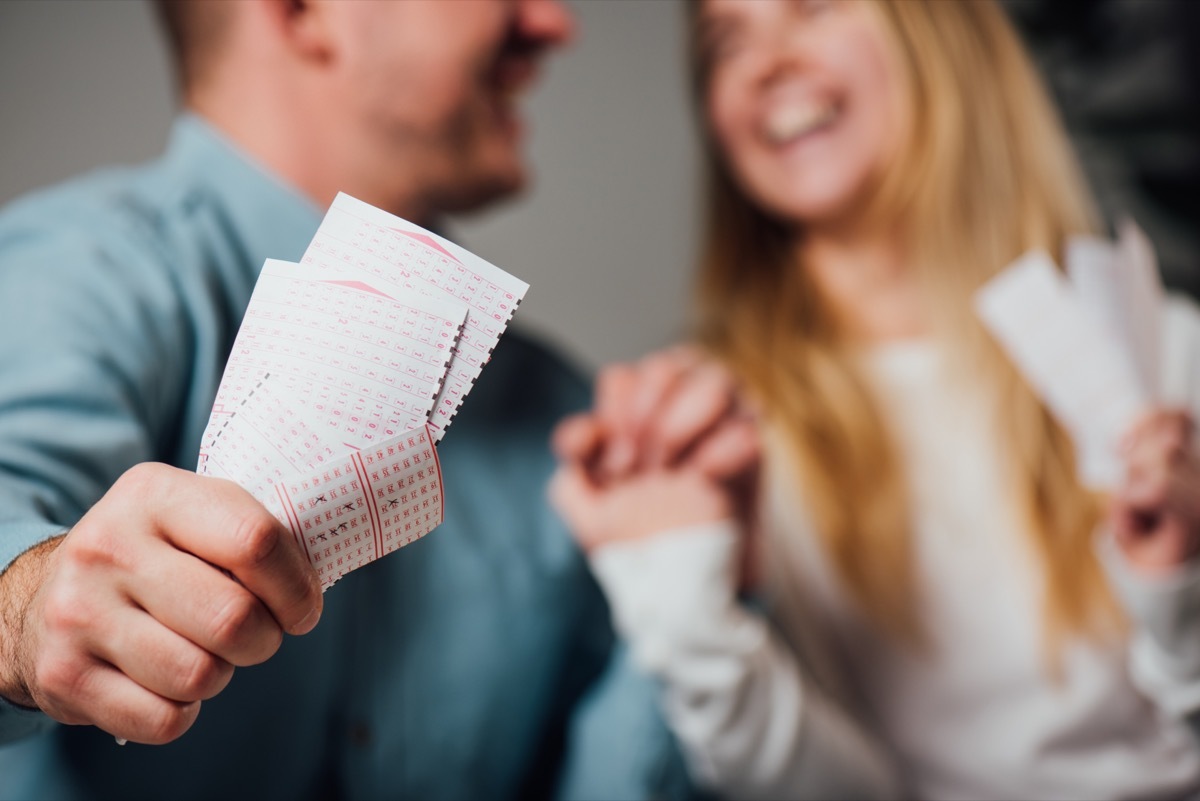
(360, 734)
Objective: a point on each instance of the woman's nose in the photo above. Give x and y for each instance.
(777, 55)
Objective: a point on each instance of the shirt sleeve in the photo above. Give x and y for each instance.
(748, 722)
(619, 722)
(17, 722)
(85, 338)
(81, 356)
(1164, 649)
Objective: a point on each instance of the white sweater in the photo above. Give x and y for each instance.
(750, 692)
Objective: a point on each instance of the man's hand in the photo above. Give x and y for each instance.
(1156, 512)
(129, 622)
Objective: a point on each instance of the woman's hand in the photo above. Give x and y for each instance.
(637, 506)
(1156, 512)
(670, 408)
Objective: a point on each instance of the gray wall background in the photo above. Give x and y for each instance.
(604, 239)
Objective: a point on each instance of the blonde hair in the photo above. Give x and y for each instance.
(986, 174)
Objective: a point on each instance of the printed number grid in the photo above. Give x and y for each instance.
(345, 373)
(390, 369)
(359, 240)
(366, 504)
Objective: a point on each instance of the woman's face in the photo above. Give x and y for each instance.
(805, 101)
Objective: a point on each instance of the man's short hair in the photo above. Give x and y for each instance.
(194, 30)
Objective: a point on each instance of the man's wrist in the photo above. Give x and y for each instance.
(18, 584)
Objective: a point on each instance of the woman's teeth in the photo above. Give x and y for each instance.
(790, 122)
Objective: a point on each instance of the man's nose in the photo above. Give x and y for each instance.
(548, 23)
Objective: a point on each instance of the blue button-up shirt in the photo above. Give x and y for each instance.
(466, 666)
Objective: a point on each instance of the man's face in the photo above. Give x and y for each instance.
(430, 90)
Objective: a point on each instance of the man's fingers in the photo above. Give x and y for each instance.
(264, 557)
(98, 694)
(224, 525)
(162, 661)
(137, 618)
(197, 601)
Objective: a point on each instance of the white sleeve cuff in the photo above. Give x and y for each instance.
(678, 586)
(1165, 613)
(734, 695)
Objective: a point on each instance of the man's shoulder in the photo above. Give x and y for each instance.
(100, 210)
(203, 207)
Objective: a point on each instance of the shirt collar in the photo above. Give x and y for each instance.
(272, 219)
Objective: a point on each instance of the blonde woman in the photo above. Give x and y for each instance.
(941, 609)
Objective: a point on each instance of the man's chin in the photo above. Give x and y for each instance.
(469, 197)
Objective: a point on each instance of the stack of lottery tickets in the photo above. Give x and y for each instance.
(1088, 339)
(347, 370)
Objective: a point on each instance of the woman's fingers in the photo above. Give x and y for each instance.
(1156, 511)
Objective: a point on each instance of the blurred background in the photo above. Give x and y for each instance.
(605, 237)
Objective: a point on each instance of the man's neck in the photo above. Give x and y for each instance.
(306, 152)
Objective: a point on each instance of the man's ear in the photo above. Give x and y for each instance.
(304, 27)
